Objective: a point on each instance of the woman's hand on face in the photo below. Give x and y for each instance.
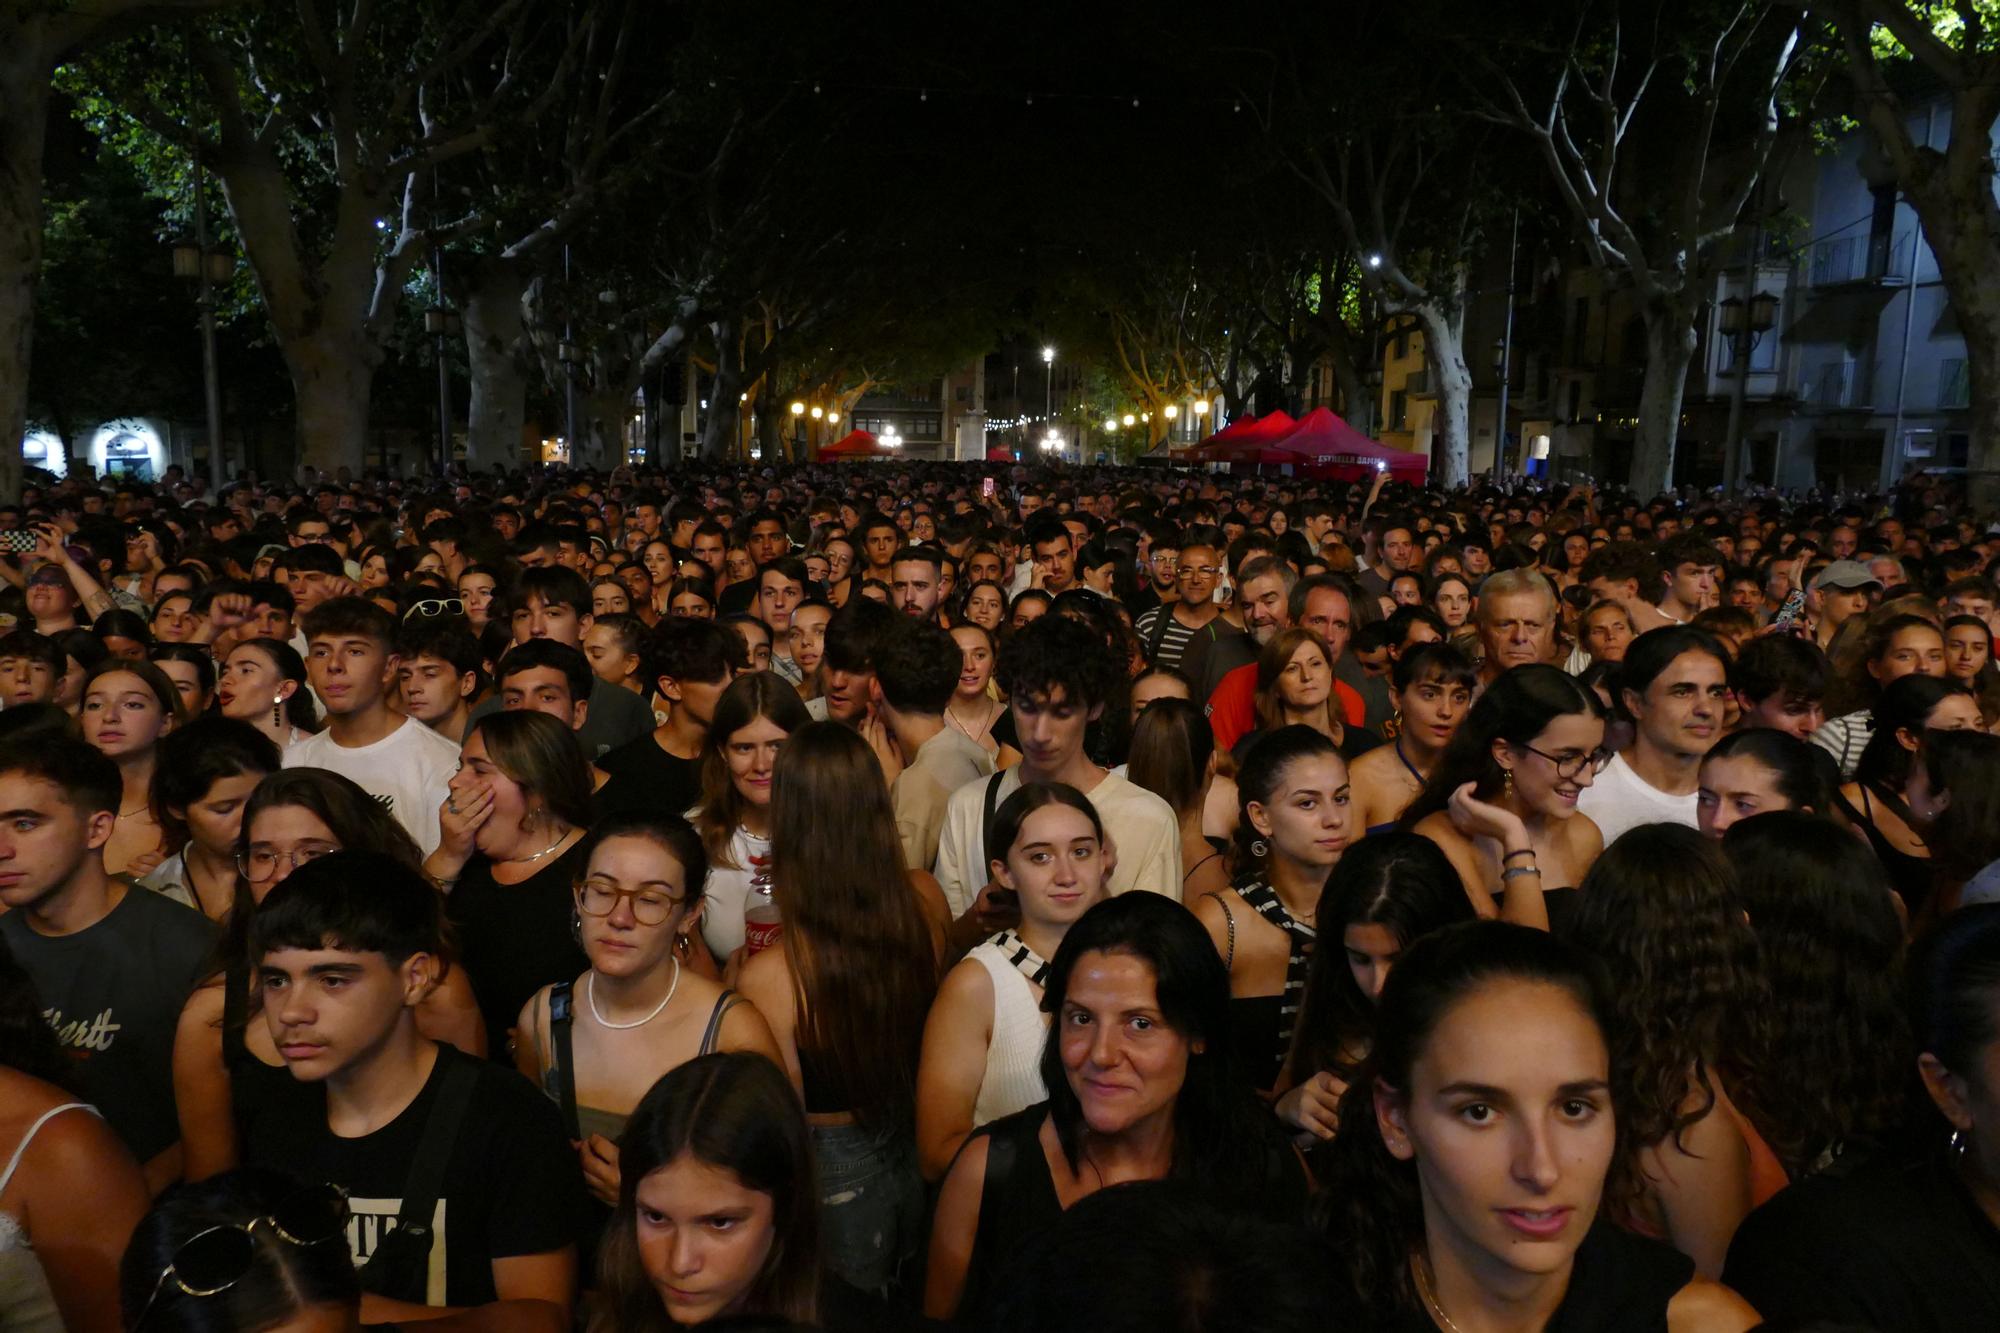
(1482, 819)
(460, 817)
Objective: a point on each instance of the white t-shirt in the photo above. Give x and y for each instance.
(408, 771)
(726, 893)
(1620, 799)
(1141, 827)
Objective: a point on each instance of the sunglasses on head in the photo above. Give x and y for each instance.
(436, 606)
(212, 1261)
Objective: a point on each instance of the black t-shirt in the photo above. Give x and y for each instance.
(1899, 1247)
(113, 992)
(645, 777)
(511, 1186)
(514, 939)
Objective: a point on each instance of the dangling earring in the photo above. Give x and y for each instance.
(1956, 1145)
(1506, 784)
(576, 925)
(1259, 848)
(278, 710)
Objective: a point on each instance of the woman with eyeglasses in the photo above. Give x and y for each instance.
(263, 682)
(596, 1044)
(72, 1193)
(225, 1066)
(1501, 800)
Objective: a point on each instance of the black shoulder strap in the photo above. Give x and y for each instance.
(1158, 634)
(562, 1056)
(991, 803)
(396, 1267)
(1001, 1161)
(724, 1002)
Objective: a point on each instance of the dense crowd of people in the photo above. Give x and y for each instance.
(988, 897)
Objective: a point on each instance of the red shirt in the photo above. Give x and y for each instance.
(1232, 709)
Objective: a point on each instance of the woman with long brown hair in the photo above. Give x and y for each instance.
(752, 720)
(847, 992)
(1295, 687)
(719, 1137)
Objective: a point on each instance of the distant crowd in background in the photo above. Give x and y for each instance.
(997, 897)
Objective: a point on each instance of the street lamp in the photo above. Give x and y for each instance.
(892, 438)
(1111, 425)
(1129, 419)
(207, 269)
(818, 413)
(1744, 323)
(1049, 393)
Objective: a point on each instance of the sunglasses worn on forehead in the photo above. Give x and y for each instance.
(436, 606)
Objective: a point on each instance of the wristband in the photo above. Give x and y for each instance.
(1517, 871)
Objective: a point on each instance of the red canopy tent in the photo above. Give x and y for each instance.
(1329, 448)
(1244, 440)
(854, 444)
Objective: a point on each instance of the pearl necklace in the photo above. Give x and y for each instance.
(590, 997)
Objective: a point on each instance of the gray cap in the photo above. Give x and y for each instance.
(1848, 574)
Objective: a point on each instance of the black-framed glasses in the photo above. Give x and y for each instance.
(1571, 767)
(436, 606)
(650, 907)
(212, 1261)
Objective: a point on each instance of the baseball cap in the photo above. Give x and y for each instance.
(1849, 574)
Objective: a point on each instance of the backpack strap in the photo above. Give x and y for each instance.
(724, 1002)
(989, 804)
(403, 1250)
(562, 1053)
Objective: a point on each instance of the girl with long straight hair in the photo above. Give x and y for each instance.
(1389, 891)
(1501, 800)
(1295, 810)
(847, 990)
(128, 707)
(1492, 1048)
(750, 725)
(719, 1137)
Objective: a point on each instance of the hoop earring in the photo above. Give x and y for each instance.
(1259, 848)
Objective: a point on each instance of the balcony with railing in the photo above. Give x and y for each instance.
(1879, 259)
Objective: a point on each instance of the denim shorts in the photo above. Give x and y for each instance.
(871, 1197)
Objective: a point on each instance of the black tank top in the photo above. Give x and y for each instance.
(255, 1088)
(1909, 875)
(1621, 1283)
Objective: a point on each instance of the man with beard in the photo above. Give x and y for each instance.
(1271, 598)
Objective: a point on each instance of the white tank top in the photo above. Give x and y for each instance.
(1013, 1078)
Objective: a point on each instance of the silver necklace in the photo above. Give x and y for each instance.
(590, 997)
(524, 860)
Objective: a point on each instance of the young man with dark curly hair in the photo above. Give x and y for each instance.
(1057, 677)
